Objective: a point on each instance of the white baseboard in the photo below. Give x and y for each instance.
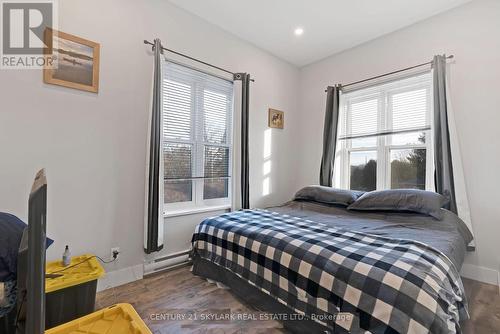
(134, 273)
(499, 282)
(166, 262)
(137, 272)
(481, 274)
(120, 277)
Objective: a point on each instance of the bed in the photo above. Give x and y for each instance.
(313, 263)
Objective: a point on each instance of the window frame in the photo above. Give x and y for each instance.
(198, 143)
(383, 143)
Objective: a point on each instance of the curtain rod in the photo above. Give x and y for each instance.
(390, 73)
(194, 59)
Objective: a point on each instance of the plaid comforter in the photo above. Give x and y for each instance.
(388, 285)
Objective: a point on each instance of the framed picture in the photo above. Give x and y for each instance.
(276, 119)
(75, 61)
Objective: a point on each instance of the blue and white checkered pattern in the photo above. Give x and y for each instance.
(389, 285)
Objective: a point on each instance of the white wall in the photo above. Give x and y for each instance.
(471, 34)
(94, 145)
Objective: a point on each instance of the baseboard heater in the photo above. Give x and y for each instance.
(167, 262)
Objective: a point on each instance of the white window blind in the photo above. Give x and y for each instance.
(385, 137)
(400, 106)
(409, 109)
(363, 116)
(197, 133)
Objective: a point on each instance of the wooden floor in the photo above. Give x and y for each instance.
(177, 294)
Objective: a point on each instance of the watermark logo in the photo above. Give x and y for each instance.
(26, 35)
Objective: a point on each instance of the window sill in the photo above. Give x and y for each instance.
(191, 211)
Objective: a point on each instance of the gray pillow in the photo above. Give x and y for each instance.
(412, 200)
(327, 195)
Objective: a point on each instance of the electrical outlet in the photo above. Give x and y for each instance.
(115, 250)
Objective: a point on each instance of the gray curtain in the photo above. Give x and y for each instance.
(154, 172)
(442, 151)
(245, 104)
(329, 135)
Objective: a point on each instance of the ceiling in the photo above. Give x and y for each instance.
(330, 26)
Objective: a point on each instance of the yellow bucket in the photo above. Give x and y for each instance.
(86, 268)
(116, 319)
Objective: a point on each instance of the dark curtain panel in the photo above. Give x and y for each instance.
(442, 151)
(245, 103)
(329, 135)
(154, 173)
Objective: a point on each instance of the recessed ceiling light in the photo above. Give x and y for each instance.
(298, 31)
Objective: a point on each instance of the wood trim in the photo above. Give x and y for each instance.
(49, 72)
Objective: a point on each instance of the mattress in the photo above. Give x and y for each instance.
(450, 236)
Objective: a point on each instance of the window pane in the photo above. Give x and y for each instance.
(216, 188)
(176, 110)
(178, 167)
(215, 117)
(409, 109)
(178, 191)
(408, 168)
(411, 138)
(217, 169)
(363, 117)
(364, 142)
(363, 167)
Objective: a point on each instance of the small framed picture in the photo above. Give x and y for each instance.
(276, 119)
(74, 63)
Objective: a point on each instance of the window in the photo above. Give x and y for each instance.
(384, 136)
(197, 125)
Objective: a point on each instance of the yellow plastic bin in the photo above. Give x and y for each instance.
(116, 319)
(72, 294)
